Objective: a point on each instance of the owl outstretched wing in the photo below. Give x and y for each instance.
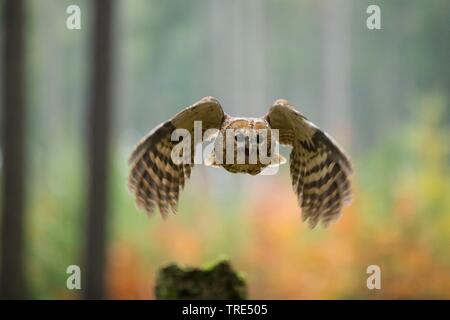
(320, 170)
(155, 179)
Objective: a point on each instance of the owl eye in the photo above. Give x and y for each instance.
(239, 136)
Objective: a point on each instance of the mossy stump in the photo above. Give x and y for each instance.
(218, 281)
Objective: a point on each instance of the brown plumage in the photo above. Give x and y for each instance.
(319, 168)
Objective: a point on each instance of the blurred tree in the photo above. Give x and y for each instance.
(336, 68)
(12, 277)
(99, 118)
(256, 47)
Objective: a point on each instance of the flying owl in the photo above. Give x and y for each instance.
(320, 171)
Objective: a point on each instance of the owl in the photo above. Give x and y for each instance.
(320, 170)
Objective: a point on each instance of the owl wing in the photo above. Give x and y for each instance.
(155, 179)
(319, 168)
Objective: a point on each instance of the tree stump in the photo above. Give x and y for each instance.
(218, 281)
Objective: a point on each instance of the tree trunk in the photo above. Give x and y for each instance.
(99, 119)
(12, 251)
(218, 281)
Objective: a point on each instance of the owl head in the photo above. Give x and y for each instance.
(245, 145)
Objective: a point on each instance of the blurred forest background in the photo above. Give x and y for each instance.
(383, 94)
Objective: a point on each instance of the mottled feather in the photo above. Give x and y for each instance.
(320, 170)
(154, 178)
